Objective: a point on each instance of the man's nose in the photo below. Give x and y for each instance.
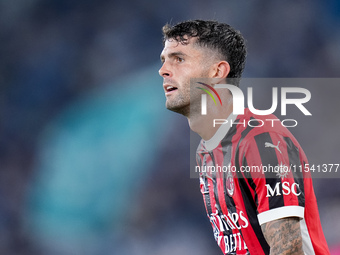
(164, 71)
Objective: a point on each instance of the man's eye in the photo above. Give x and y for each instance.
(179, 60)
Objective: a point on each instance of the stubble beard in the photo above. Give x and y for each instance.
(186, 103)
(180, 103)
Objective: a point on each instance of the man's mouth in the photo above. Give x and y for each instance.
(169, 88)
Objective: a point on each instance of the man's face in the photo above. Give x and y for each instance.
(180, 64)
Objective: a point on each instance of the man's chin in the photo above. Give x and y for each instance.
(184, 110)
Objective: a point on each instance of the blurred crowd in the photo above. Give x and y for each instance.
(90, 162)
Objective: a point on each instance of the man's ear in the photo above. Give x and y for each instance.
(221, 70)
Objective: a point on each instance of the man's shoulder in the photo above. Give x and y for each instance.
(265, 130)
(251, 125)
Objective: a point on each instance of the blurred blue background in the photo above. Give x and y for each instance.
(91, 162)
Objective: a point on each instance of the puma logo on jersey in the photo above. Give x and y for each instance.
(273, 146)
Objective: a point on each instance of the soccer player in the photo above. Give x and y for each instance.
(252, 210)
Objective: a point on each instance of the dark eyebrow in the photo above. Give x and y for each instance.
(173, 54)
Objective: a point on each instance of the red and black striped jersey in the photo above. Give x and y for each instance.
(253, 172)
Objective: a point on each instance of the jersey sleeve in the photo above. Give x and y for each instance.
(272, 165)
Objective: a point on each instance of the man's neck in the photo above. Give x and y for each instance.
(204, 126)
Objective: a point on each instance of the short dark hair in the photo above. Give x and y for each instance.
(221, 37)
